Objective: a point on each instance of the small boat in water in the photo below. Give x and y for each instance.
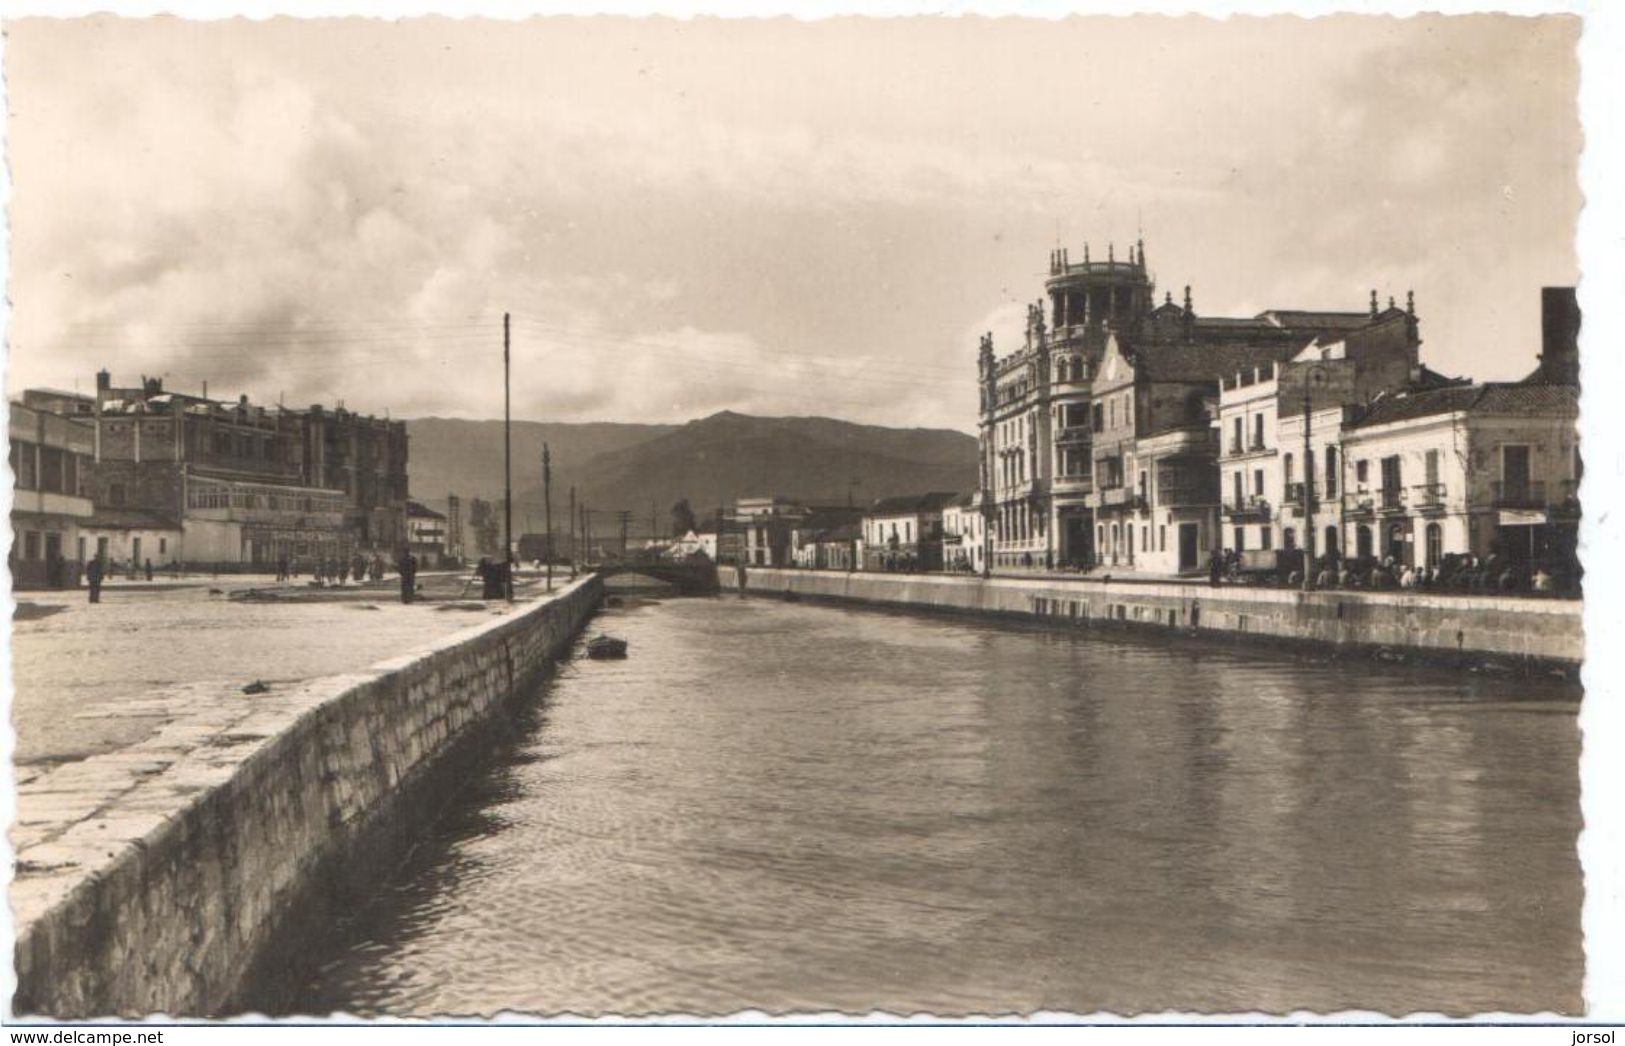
(606, 646)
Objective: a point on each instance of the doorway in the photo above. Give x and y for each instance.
(1188, 535)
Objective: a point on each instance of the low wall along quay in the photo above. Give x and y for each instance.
(1536, 632)
(190, 873)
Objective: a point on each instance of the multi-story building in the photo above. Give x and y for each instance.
(827, 539)
(767, 523)
(50, 503)
(963, 536)
(1043, 417)
(235, 483)
(426, 534)
(1464, 469)
(905, 533)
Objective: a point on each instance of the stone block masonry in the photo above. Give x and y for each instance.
(1537, 632)
(189, 874)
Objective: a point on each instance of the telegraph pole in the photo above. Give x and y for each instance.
(507, 471)
(547, 510)
(625, 517)
(573, 551)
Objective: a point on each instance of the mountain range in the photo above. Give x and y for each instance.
(710, 461)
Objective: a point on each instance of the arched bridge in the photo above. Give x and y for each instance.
(695, 576)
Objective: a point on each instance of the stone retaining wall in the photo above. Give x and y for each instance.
(1548, 631)
(191, 873)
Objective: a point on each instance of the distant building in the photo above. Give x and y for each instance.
(963, 534)
(767, 523)
(905, 533)
(50, 504)
(827, 539)
(426, 534)
(234, 483)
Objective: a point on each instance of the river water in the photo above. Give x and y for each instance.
(801, 808)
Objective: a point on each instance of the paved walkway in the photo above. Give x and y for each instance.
(90, 679)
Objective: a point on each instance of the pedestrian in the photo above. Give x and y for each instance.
(149, 568)
(408, 566)
(93, 578)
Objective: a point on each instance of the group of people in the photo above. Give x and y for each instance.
(1457, 572)
(334, 570)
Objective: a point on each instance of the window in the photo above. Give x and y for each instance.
(1264, 537)
(1331, 541)
(1286, 468)
(1145, 538)
(30, 544)
(1111, 412)
(1515, 470)
(1098, 418)
(1289, 539)
(1235, 435)
(22, 464)
(1162, 538)
(1361, 474)
(1241, 538)
(1258, 483)
(1331, 472)
(1258, 431)
(1435, 538)
(1235, 484)
(163, 545)
(1390, 480)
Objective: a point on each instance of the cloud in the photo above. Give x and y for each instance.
(756, 216)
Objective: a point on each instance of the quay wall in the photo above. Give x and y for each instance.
(1543, 631)
(227, 851)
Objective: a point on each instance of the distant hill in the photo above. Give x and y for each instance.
(711, 461)
(453, 456)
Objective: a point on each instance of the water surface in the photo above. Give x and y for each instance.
(795, 807)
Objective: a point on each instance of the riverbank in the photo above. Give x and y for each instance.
(1500, 633)
(184, 873)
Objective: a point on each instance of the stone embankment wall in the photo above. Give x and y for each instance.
(1544, 631)
(193, 872)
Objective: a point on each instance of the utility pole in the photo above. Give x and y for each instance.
(507, 471)
(547, 510)
(573, 552)
(624, 516)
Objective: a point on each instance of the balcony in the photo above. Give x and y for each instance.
(1428, 498)
(1528, 494)
(1391, 499)
(1252, 510)
(1235, 447)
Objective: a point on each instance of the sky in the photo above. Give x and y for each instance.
(773, 217)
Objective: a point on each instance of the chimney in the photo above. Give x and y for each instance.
(1559, 336)
(104, 380)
